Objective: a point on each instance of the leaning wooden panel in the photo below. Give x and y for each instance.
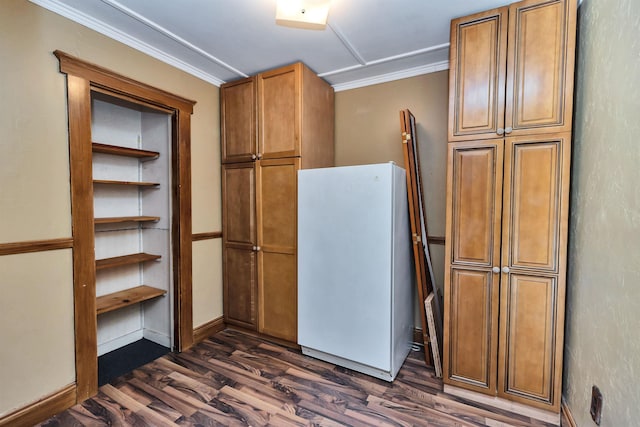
(417, 219)
(540, 67)
(477, 75)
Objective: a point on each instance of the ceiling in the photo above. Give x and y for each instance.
(365, 42)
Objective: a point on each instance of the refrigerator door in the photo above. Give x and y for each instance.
(345, 262)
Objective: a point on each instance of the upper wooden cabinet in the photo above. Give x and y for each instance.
(286, 112)
(238, 120)
(511, 71)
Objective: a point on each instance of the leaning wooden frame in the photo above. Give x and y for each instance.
(422, 259)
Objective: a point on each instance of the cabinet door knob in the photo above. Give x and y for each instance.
(253, 157)
(257, 248)
(508, 129)
(259, 156)
(500, 131)
(254, 248)
(505, 269)
(496, 269)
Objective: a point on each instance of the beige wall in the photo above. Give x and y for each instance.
(36, 310)
(368, 131)
(603, 302)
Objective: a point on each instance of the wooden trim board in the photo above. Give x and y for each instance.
(208, 329)
(35, 246)
(196, 237)
(567, 415)
(42, 409)
(507, 405)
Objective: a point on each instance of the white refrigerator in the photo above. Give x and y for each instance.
(355, 280)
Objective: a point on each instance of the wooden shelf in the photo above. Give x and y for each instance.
(125, 260)
(116, 300)
(131, 183)
(124, 151)
(118, 219)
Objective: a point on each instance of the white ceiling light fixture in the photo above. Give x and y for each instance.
(307, 14)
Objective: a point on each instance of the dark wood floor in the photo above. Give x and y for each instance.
(239, 380)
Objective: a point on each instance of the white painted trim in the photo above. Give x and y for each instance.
(115, 34)
(116, 343)
(171, 35)
(157, 337)
(73, 14)
(396, 75)
(346, 43)
(496, 402)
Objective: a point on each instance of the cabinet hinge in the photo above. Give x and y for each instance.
(416, 238)
(405, 137)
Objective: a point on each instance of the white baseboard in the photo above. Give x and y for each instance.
(157, 337)
(116, 343)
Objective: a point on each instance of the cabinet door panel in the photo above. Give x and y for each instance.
(238, 188)
(277, 239)
(477, 75)
(471, 330)
(535, 188)
(240, 287)
(277, 205)
(278, 295)
(238, 120)
(528, 315)
(540, 66)
(279, 110)
(474, 193)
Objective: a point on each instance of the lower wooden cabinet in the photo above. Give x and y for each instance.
(507, 215)
(260, 239)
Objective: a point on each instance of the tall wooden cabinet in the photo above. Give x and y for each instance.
(510, 107)
(273, 124)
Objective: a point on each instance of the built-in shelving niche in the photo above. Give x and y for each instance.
(131, 164)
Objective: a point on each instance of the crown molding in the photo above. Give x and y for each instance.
(115, 34)
(396, 75)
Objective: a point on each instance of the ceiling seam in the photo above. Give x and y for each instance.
(134, 15)
(387, 59)
(346, 43)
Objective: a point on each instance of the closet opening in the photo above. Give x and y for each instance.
(130, 170)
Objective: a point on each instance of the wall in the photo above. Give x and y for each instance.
(603, 302)
(368, 131)
(36, 308)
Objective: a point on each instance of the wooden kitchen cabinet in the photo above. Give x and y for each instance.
(507, 214)
(292, 128)
(511, 71)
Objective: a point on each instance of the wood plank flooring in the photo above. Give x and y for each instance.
(235, 379)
